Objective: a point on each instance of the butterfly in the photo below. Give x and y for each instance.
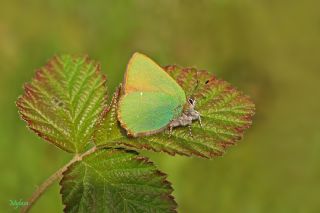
(152, 101)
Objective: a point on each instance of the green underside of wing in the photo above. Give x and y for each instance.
(143, 113)
(143, 74)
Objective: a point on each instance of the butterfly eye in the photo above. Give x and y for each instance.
(191, 101)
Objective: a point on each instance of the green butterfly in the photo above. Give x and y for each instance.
(152, 100)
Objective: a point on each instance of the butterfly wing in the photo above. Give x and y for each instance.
(145, 113)
(143, 74)
(151, 99)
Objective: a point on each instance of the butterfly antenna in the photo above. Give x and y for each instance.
(195, 87)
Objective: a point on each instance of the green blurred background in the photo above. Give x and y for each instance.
(267, 48)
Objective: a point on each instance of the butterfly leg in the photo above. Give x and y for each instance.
(170, 130)
(190, 130)
(200, 121)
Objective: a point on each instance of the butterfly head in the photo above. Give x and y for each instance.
(191, 102)
(190, 105)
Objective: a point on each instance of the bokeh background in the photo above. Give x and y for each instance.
(267, 48)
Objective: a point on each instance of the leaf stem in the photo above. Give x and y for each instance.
(57, 175)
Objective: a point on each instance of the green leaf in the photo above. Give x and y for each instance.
(63, 101)
(225, 114)
(115, 181)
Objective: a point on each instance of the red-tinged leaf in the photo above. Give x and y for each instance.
(116, 181)
(225, 114)
(62, 102)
